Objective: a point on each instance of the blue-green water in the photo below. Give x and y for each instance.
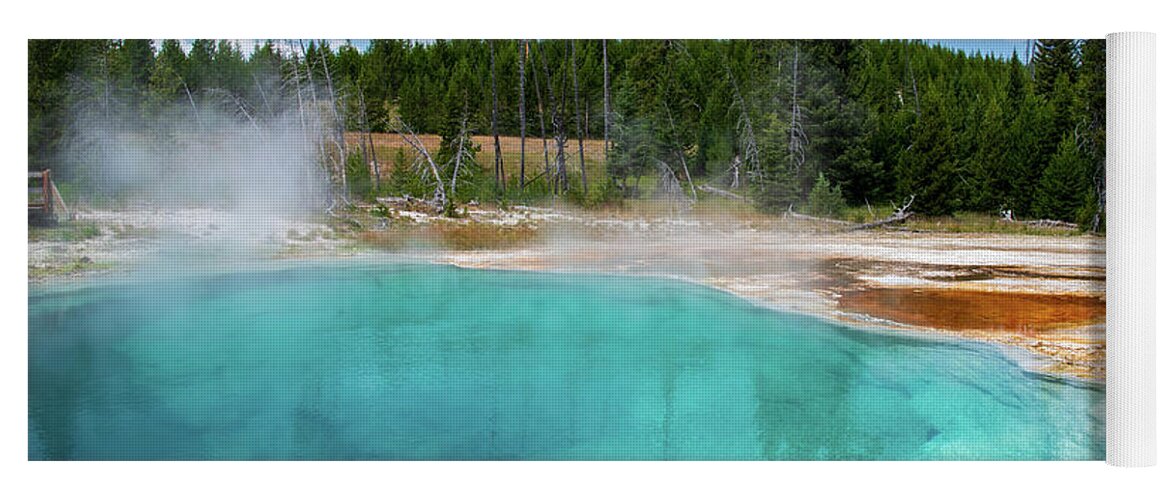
(433, 362)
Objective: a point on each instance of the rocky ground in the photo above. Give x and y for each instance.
(1042, 295)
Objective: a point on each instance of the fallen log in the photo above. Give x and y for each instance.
(1048, 223)
(791, 214)
(893, 219)
(900, 214)
(408, 202)
(720, 192)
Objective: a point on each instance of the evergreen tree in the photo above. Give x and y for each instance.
(1027, 154)
(51, 63)
(826, 200)
(992, 180)
(166, 78)
(927, 169)
(633, 152)
(1062, 189)
(139, 61)
(1052, 59)
(879, 119)
(199, 72)
(1091, 98)
(780, 187)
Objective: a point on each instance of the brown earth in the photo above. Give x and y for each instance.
(387, 146)
(961, 310)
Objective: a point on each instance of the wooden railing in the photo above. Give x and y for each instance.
(45, 203)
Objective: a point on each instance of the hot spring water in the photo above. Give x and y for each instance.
(433, 362)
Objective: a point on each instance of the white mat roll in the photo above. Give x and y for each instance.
(1130, 249)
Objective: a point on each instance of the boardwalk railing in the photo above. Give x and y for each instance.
(45, 205)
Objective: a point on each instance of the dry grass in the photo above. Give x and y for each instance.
(70, 232)
(709, 207)
(482, 236)
(387, 146)
(451, 236)
(967, 222)
(393, 239)
(73, 268)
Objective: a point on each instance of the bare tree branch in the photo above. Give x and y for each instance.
(415, 143)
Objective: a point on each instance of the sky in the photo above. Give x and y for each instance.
(997, 47)
(1002, 48)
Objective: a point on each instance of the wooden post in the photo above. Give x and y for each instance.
(46, 194)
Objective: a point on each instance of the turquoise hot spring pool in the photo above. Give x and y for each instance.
(404, 361)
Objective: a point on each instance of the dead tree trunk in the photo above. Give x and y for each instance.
(720, 192)
(374, 159)
(585, 187)
(797, 136)
(191, 100)
(326, 160)
(198, 120)
(106, 85)
(559, 180)
(227, 98)
(900, 214)
(914, 83)
(297, 82)
(605, 103)
(747, 135)
(497, 160)
(1100, 188)
(369, 155)
(301, 107)
(679, 151)
(559, 123)
(460, 151)
(734, 169)
(541, 110)
(790, 214)
(263, 95)
(412, 140)
(669, 187)
(522, 53)
(339, 125)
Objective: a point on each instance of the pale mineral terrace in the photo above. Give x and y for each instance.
(1044, 295)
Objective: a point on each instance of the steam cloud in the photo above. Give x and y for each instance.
(254, 167)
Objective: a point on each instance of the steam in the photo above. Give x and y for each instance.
(255, 167)
(205, 156)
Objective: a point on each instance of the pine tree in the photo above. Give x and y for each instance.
(879, 119)
(779, 187)
(1091, 92)
(1027, 154)
(633, 153)
(1062, 189)
(1051, 59)
(199, 74)
(138, 56)
(927, 168)
(992, 180)
(826, 200)
(457, 111)
(51, 65)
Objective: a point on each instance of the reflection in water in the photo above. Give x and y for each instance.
(430, 362)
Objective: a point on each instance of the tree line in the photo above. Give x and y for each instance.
(779, 121)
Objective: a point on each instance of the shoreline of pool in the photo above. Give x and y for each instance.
(804, 272)
(1027, 360)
